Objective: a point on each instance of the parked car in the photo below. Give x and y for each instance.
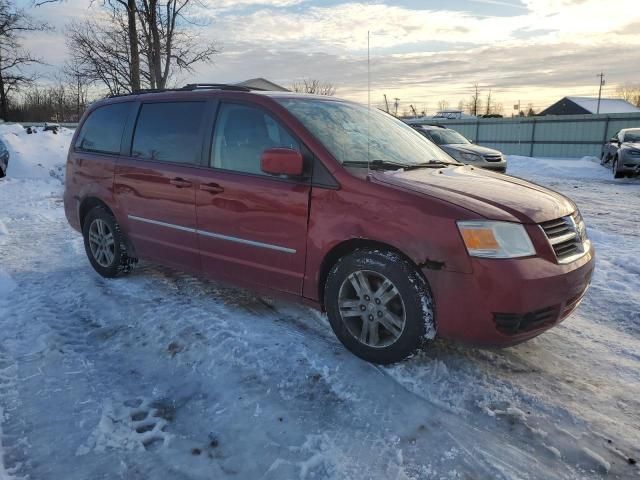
(320, 200)
(462, 149)
(623, 151)
(4, 159)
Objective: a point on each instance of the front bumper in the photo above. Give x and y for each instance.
(629, 164)
(506, 302)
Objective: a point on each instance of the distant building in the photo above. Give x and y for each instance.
(589, 105)
(263, 84)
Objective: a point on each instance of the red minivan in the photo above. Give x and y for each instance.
(329, 202)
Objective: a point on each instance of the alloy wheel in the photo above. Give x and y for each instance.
(102, 243)
(372, 308)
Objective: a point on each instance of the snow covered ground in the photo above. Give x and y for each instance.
(161, 375)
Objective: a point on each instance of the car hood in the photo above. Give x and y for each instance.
(490, 195)
(470, 148)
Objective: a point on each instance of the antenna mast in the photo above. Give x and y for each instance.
(368, 103)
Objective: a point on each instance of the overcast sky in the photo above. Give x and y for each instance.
(422, 51)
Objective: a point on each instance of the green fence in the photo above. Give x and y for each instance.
(550, 136)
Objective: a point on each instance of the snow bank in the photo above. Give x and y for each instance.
(582, 168)
(37, 156)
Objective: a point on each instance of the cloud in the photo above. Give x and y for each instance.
(544, 50)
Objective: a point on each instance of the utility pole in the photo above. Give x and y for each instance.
(601, 75)
(386, 102)
(396, 105)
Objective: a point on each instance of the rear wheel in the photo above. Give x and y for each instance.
(105, 245)
(379, 305)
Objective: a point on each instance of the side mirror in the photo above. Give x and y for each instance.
(281, 161)
(614, 140)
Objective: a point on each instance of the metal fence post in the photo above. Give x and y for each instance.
(477, 128)
(533, 136)
(606, 133)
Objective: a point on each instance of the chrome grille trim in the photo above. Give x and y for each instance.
(567, 237)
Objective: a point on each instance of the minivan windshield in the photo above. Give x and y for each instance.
(354, 134)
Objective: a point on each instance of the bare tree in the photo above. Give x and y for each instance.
(492, 107)
(37, 103)
(101, 47)
(489, 105)
(170, 40)
(166, 41)
(461, 105)
(316, 87)
(78, 77)
(443, 105)
(630, 93)
(474, 103)
(13, 58)
(131, 9)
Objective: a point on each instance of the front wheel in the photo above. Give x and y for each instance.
(105, 244)
(379, 305)
(616, 174)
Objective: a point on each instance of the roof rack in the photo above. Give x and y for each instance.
(190, 87)
(218, 86)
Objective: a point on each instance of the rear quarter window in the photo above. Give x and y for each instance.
(102, 130)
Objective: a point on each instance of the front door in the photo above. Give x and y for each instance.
(252, 226)
(155, 186)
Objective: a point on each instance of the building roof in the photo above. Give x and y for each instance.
(607, 105)
(589, 105)
(262, 84)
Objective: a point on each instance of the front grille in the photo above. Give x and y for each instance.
(493, 158)
(514, 323)
(567, 236)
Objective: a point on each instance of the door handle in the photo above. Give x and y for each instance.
(180, 182)
(211, 187)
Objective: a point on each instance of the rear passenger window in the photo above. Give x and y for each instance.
(169, 132)
(242, 134)
(102, 130)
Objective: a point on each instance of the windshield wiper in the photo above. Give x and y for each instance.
(389, 165)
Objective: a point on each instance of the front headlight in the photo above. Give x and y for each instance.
(465, 156)
(490, 239)
(470, 157)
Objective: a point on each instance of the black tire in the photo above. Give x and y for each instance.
(616, 174)
(415, 298)
(121, 263)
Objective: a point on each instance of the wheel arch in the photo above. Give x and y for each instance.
(88, 204)
(348, 246)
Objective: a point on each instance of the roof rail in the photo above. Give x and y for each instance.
(189, 87)
(218, 86)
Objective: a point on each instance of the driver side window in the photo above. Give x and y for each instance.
(242, 134)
